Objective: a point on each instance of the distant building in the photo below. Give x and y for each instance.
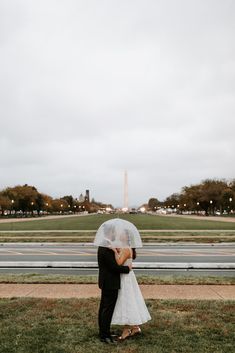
(81, 198)
(87, 196)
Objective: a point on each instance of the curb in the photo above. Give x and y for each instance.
(92, 245)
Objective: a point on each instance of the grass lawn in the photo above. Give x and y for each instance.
(89, 279)
(88, 236)
(70, 326)
(92, 222)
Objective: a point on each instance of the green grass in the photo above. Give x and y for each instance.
(80, 237)
(70, 326)
(92, 222)
(83, 229)
(142, 279)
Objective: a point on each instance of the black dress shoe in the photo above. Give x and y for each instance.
(108, 340)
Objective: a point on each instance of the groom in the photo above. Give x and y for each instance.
(109, 283)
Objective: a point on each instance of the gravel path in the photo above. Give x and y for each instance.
(199, 292)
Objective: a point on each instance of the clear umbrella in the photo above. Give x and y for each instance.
(118, 233)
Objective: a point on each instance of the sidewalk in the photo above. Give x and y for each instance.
(200, 292)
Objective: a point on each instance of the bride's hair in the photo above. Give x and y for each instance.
(133, 253)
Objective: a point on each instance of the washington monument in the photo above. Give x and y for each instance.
(125, 190)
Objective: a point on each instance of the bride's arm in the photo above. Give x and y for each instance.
(122, 256)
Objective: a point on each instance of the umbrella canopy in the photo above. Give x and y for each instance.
(118, 233)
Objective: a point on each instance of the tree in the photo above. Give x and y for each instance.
(46, 203)
(25, 197)
(209, 196)
(153, 203)
(70, 202)
(59, 205)
(172, 200)
(5, 203)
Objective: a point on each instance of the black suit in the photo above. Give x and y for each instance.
(109, 283)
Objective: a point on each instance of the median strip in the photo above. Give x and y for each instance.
(136, 265)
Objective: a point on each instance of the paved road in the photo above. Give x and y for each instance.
(164, 253)
(149, 253)
(14, 220)
(205, 218)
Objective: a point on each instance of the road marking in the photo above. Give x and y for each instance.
(11, 252)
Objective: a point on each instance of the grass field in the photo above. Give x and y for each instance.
(81, 237)
(70, 326)
(93, 279)
(92, 222)
(152, 229)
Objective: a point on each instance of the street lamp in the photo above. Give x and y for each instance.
(197, 208)
(12, 203)
(211, 202)
(230, 200)
(32, 203)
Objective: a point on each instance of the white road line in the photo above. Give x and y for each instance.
(12, 252)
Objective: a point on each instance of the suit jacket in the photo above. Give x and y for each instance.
(109, 270)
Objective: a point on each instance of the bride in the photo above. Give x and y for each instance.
(125, 303)
(130, 309)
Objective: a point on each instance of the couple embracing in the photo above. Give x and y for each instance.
(121, 302)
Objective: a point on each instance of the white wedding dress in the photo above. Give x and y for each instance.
(130, 307)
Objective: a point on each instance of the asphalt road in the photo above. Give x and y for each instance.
(149, 253)
(208, 253)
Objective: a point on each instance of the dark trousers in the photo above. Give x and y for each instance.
(107, 305)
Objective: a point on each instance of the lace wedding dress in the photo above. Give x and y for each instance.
(130, 307)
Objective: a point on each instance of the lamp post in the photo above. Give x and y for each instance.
(32, 203)
(12, 205)
(229, 207)
(211, 202)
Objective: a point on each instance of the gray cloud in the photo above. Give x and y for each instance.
(89, 89)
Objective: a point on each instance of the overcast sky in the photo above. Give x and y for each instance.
(91, 88)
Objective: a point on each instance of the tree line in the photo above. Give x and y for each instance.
(209, 196)
(27, 200)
